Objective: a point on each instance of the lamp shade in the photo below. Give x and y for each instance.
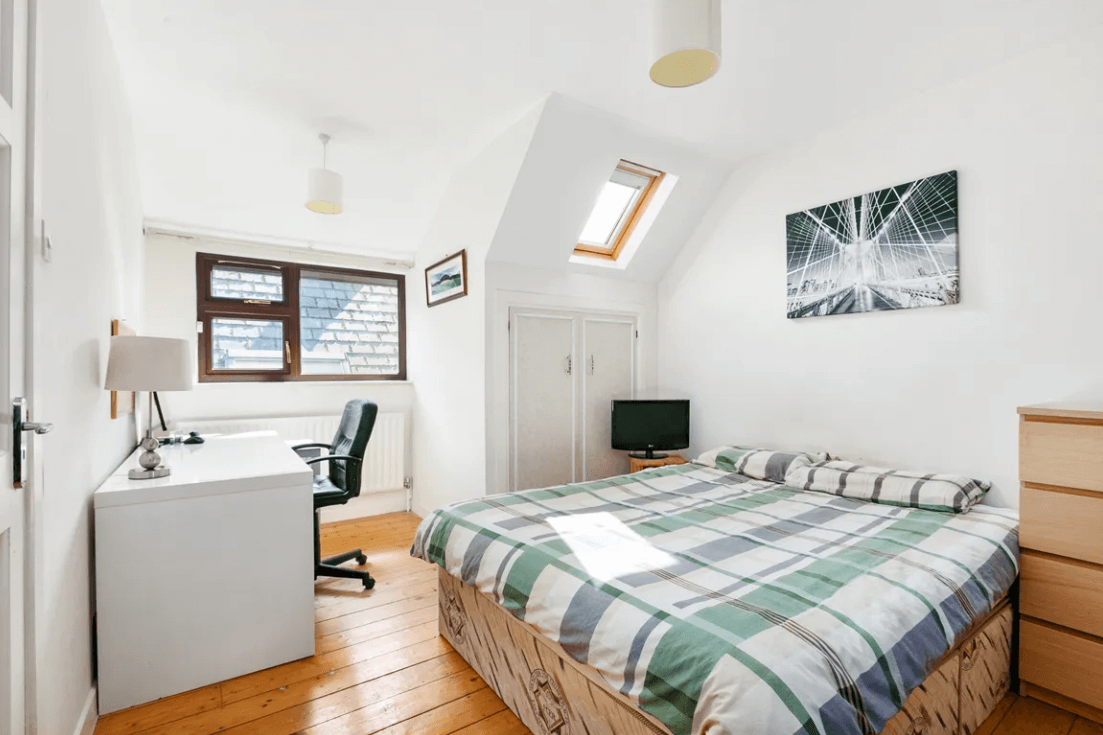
(324, 188)
(687, 42)
(149, 364)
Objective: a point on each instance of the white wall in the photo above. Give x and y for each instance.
(928, 388)
(511, 286)
(90, 200)
(447, 348)
(171, 301)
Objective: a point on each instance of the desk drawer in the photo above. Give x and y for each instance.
(1064, 454)
(1062, 523)
(1064, 592)
(1062, 662)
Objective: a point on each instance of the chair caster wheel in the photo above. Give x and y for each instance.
(361, 560)
(369, 583)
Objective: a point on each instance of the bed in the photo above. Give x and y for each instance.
(693, 599)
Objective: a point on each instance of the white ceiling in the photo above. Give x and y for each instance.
(227, 97)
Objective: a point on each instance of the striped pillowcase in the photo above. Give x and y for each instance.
(929, 491)
(757, 464)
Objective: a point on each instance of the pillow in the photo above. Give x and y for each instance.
(929, 491)
(758, 464)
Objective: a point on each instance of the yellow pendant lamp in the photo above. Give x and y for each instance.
(687, 42)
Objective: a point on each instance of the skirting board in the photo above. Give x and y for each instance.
(89, 715)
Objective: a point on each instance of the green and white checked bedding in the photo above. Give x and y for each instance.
(726, 605)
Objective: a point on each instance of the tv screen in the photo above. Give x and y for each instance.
(646, 426)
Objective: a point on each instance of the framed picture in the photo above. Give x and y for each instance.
(890, 249)
(446, 280)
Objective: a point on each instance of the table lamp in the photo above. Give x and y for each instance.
(149, 364)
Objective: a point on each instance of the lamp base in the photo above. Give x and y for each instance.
(152, 474)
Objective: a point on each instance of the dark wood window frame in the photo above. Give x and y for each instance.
(285, 311)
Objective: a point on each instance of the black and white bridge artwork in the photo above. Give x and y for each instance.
(890, 249)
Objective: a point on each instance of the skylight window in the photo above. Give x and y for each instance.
(622, 202)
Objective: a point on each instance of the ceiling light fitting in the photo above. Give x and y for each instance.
(687, 42)
(324, 187)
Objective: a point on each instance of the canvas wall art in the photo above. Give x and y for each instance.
(891, 249)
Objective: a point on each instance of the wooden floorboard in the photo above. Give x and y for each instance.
(379, 664)
(380, 667)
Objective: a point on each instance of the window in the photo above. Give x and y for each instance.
(621, 204)
(263, 321)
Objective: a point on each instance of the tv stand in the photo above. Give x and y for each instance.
(649, 454)
(635, 464)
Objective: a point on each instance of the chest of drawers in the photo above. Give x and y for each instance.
(1061, 535)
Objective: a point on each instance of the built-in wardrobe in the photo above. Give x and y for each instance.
(565, 369)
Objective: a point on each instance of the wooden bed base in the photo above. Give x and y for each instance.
(555, 695)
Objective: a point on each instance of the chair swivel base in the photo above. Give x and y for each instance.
(329, 568)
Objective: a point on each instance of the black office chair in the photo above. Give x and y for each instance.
(346, 464)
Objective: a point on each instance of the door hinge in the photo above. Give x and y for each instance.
(637, 334)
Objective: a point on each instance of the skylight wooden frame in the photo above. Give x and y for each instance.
(631, 219)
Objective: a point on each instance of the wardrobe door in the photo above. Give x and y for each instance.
(543, 400)
(608, 372)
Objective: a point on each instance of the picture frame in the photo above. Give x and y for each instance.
(446, 280)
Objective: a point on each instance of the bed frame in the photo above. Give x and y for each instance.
(555, 695)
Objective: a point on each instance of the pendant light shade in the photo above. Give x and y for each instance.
(687, 42)
(324, 187)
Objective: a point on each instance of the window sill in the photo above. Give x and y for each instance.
(223, 383)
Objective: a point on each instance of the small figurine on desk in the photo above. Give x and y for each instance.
(194, 438)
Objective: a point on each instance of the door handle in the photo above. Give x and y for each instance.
(18, 425)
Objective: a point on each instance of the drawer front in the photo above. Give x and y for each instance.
(1062, 662)
(1063, 592)
(1066, 524)
(1068, 455)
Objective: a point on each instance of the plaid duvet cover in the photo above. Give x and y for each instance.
(726, 605)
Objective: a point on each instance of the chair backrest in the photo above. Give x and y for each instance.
(357, 423)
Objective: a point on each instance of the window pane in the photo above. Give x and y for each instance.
(247, 284)
(247, 344)
(348, 324)
(611, 206)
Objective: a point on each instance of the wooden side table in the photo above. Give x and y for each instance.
(636, 464)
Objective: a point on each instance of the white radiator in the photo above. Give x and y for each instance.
(384, 463)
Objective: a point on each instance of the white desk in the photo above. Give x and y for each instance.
(206, 574)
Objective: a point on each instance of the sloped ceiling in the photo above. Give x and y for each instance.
(573, 152)
(228, 97)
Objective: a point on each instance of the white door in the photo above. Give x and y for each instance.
(565, 368)
(542, 434)
(609, 360)
(13, 170)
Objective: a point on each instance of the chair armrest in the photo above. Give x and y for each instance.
(297, 447)
(326, 458)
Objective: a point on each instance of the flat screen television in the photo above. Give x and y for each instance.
(647, 426)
